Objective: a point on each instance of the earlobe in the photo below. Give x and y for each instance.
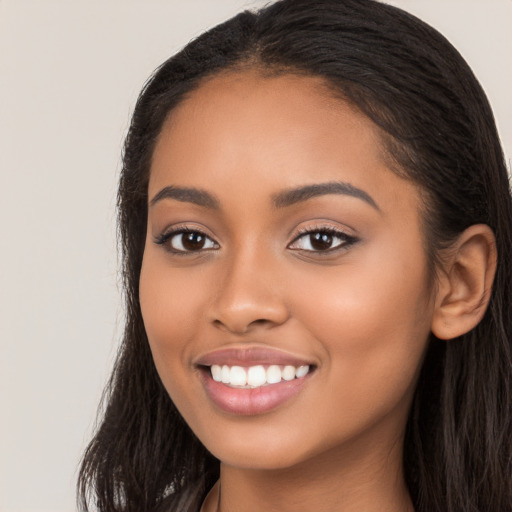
(465, 283)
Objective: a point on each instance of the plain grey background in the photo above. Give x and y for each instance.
(70, 72)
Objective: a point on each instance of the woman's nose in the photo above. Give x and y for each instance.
(249, 296)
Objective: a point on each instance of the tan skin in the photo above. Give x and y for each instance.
(359, 307)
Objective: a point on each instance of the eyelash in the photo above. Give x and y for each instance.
(345, 240)
(165, 238)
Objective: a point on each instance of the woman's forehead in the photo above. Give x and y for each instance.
(251, 137)
(274, 122)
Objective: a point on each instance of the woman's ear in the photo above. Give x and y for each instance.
(465, 282)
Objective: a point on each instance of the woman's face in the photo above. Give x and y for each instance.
(284, 256)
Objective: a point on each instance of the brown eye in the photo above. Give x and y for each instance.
(322, 240)
(193, 241)
(188, 241)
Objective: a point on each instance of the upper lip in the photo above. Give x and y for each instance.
(249, 357)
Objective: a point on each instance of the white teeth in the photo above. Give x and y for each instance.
(273, 374)
(301, 371)
(237, 376)
(217, 373)
(289, 373)
(225, 374)
(256, 376)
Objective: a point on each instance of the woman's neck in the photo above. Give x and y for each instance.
(332, 482)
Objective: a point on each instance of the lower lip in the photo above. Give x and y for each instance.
(247, 402)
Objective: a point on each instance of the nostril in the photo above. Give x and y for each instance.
(241, 312)
(260, 321)
(243, 327)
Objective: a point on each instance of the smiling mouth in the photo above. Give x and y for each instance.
(252, 380)
(253, 390)
(257, 376)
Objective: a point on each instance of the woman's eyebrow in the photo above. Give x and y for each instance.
(187, 195)
(282, 199)
(299, 194)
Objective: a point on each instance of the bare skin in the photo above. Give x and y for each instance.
(355, 303)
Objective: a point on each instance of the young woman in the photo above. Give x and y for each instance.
(316, 226)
